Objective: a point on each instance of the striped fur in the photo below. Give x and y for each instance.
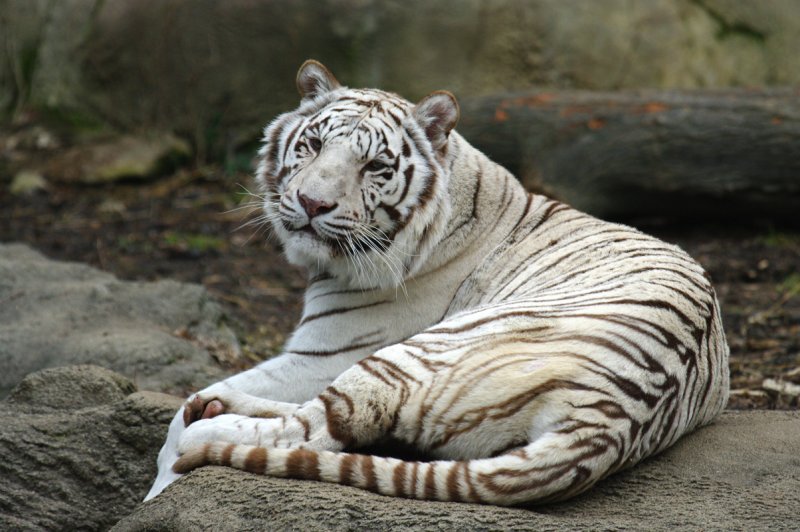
(527, 349)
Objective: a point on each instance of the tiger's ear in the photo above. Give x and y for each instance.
(437, 113)
(314, 79)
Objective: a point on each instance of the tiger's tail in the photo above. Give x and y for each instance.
(554, 467)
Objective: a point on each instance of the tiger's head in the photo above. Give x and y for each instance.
(354, 181)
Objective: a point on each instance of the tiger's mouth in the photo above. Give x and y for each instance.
(353, 245)
(307, 229)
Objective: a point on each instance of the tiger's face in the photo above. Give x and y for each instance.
(355, 181)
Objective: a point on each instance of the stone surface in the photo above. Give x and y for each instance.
(126, 157)
(217, 71)
(716, 154)
(27, 182)
(79, 444)
(165, 335)
(77, 448)
(741, 473)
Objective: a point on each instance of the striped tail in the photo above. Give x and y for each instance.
(546, 470)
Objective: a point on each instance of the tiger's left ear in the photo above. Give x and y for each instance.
(314, 79)
(438, 114)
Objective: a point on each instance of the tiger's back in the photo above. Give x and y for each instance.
(529, 348)
(564, 307)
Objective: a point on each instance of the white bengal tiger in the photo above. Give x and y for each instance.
(527, 349)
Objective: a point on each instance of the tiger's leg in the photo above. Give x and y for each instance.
(396, 392)
(507, 424)
(357, 409)
(288, 379)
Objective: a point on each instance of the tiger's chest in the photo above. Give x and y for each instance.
(341, 320)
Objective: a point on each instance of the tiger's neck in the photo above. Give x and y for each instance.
(487, 203)
(481, 193)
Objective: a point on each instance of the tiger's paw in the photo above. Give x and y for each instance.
(229, 428)
(197, 408)
(217, 400)
(211, 403)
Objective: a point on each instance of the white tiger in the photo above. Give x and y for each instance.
(527, 349)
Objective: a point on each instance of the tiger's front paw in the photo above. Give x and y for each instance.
(212, 403)
(197, 408)
(230, 428)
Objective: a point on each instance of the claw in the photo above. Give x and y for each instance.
(192, 410)
(196, 409)
(213, 408)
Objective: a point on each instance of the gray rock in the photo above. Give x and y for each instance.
(741, 473)
(77, 448)
(166, 336)
(126, 157)
(27, 182)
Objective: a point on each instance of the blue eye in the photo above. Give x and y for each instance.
(315, 144)
(375, 166)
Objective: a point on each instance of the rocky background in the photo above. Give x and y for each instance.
(199, 78)
(127, 134)
(216, 71)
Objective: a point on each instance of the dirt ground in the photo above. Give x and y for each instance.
(187, 226)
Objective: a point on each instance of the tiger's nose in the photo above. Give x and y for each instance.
(314, 207)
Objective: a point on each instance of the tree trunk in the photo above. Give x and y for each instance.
(675, 154)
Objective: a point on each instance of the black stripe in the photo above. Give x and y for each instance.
(335, 311)
(332, 352)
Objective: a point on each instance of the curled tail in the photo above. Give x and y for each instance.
(556, 466)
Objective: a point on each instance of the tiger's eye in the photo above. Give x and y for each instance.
(375, 166)
(315, 144)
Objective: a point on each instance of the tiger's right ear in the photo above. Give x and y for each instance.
(437, 113)
(314, 79)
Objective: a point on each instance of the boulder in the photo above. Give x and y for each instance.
(165, 335)
(741, 473)
(79, 444)
(126, 157)
(78, 448)
(27, 183)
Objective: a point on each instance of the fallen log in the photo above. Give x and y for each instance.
(721, 154)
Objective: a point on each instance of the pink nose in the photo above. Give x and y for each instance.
(314, 207)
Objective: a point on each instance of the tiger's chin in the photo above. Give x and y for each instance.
(308, 251)
(317, 256)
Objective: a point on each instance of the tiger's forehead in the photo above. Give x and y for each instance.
(357, 106)
(372, 97)
(365, 116)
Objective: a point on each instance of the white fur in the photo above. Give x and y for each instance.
(485, 276)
